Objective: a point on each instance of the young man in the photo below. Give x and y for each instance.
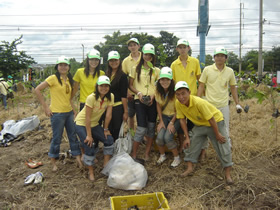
(127, 64)
(186, 68)
(218, 77)
(208, 121)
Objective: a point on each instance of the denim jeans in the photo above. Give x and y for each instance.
(4, 100)
(164, 137)
(98, 135)
(58, 122)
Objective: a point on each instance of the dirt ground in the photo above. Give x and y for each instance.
(256, 155)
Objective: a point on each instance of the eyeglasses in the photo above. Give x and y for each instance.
(67, 88)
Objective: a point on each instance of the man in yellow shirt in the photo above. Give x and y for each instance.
(208, 121)
(186, 68)
(218, 77)
(127, 64)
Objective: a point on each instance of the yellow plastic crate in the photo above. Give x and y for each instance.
(151, 201)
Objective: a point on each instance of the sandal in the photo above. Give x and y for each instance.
(33, 164)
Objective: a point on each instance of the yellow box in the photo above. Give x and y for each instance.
(151, 201)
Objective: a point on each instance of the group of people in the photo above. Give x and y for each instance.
(137, 87)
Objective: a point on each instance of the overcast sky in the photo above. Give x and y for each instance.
(52, 28)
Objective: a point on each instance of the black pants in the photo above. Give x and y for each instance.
(116, 121)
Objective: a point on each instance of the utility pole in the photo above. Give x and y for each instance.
(260, 66)
(240, 38)
(83, 52)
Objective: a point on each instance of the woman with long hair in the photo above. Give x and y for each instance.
(86, 77)
(60, 110)
(142, 83)
(168, 124)
(88, 128)
(119, 87)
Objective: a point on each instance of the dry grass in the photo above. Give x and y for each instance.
(256, 155)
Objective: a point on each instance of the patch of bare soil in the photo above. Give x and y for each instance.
(256, 154)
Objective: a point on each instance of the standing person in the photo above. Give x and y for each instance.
(60, 110)
(274, 81)
(208, 122)
(86, 77)
(186, 68)
(168, 124)
(142, 83)
(218, 77)
(88, 128)
(119, 86)
(132, 60)
(3, 92)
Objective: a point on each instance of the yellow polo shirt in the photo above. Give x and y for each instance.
(3, 87)
(87, 84)
(199, 111)
(170, 107)
(60, 100)
(217, 84)
(145, 86)
(188, 74)
(128, 63)
(98, 108)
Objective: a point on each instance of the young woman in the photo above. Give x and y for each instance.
(86, 77)
(168, 125)
(88, 128)
(60, 110)
(119, 87)
(142, 83)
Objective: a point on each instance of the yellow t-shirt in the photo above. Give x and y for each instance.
(98, 108)
(169, 110)
(60, 100)
(188, 74)
(87, 84)
(217, 83)
(199, 111)
(127, 64)
(145, 86)
(3, 87)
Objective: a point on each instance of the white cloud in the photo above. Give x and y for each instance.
(51, 28)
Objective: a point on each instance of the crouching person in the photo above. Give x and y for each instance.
(88, 128)
(209, 122)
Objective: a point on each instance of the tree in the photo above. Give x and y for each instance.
(165, 46)
(250, 61)
(233, 61)
(12, 60)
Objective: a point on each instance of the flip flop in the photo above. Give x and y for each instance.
(39, 163)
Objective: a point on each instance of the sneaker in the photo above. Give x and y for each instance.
(161, 159)
(38, 178)
(29, 179)
(175, 162)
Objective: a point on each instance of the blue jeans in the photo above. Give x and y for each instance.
(58, 122)
(98, 135)
(164, 137)
(4, 100)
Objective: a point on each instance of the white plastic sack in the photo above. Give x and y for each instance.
(123, 143)
(124, 173)
(20, 127)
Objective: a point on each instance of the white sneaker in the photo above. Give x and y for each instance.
(161, 159)
(38, 178)
(29, 179)
(175, 162)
